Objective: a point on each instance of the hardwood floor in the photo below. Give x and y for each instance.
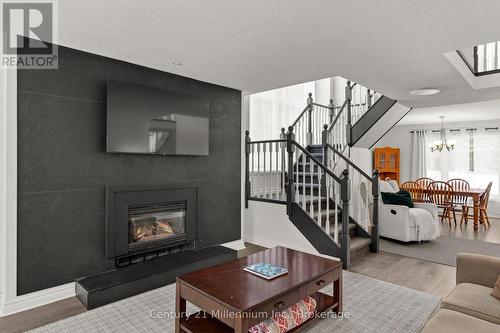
(41, 316)
(421, 275)
(425, 276)
(491, 234)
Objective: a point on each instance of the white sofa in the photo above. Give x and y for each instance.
(407, 224)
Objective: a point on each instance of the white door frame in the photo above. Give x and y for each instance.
(8, 187)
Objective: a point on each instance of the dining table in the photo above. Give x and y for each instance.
(473, 193)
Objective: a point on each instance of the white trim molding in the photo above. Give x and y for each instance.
(8, 186)
(39, 298)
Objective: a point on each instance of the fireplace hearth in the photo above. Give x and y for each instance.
(148, 221)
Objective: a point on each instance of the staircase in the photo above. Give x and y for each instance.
(360, 241)
(329, 199)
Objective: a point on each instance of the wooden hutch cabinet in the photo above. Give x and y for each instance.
(386, 161)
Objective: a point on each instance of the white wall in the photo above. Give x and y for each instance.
(322, 91)
(338, 90)
(267, 224)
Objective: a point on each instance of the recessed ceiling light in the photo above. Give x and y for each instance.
(177, 63)
(425, 91)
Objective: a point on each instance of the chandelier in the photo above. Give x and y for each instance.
(442, 143)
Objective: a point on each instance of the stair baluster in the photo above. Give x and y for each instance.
(264, 178)
(320, 217)
(278, 173)
(298, 199)
(331, 112)
(328, 190)
(311, 189)
(309, 122)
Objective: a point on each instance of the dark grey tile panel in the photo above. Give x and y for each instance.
(61, 144)
(61, 235)
(149, 77)
(80, 75)
(219, 212)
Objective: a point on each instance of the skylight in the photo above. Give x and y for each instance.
(482, 59)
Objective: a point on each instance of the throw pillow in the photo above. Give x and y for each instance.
(407, 194)
(386, 187)
(401, 198)
(496, 289)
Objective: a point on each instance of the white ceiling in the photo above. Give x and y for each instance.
(458, 113)
(392, 46)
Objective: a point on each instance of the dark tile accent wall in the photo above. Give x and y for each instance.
(63, 168)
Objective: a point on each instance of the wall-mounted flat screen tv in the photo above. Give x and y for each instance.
(142, 120)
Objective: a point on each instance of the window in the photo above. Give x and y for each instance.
(476, 158)
(274, 109)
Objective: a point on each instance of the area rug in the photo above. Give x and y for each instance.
(442, 250)
(369, 306)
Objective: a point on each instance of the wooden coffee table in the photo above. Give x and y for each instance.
(233, 300)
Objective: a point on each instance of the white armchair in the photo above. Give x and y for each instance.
(407, 224)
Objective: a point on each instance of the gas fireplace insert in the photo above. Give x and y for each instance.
(142, 219)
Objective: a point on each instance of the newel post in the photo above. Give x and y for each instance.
(247, 167)
(348, 97)
(330, 112)
(368, 99)
(309, 138)
(374, 247)
(345, 239)
(290, 190)
(324, 141)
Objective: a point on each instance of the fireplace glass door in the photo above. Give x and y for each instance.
(155, 224)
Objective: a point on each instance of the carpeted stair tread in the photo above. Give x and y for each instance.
(359, 242)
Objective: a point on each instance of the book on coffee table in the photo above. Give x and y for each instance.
(266, 271)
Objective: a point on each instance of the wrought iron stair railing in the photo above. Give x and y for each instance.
(283, 171)
(309, 169)
(308, 126)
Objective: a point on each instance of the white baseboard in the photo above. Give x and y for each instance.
(236, 245)
(38, 298)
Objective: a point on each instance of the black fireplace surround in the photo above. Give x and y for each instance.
(144, 219)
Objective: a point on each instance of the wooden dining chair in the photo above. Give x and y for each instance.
(424, 182)
(415, 190)
(483, 207)
(459, 185)
(441, 194)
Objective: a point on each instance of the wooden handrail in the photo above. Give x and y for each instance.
(300, 116)
(327, 106)
(336, 151)
(337, 116)
(268, 141)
